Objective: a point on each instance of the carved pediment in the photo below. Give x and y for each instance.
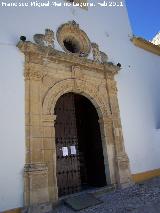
(76, 46)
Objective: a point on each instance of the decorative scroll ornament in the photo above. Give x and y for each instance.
(46, 39)
(74, 23)
(104, 57)
(96, 53)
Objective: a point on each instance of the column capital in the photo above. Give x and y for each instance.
(49, 118)
(35, 167)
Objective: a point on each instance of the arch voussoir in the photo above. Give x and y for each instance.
(78, 86)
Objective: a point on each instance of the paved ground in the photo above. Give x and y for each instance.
(140, 198)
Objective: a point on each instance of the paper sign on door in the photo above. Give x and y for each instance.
(73, 150)
(65, 151)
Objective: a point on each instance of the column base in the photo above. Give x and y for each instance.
(38, 208)
(35, 184)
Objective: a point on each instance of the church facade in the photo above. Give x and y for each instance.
(80, 104)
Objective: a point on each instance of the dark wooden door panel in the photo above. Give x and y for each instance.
(80, 161)
(68, 166)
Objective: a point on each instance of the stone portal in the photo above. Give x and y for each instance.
(49, 74)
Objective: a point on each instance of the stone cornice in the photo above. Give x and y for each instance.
(146, 45)
(51, 54)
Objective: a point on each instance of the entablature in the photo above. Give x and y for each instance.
(42, 55)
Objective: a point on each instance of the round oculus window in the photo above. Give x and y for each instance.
(73, 40)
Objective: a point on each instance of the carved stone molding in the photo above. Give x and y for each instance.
(123, 164)
(105, 120)
(67, 85)
(77, 72)
(51, 54)
(49, 118)
(36, 167)
(112, 87)
(33, 75)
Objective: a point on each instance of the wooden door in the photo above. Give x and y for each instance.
(68, 166)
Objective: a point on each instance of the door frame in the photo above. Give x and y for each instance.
(48, 75)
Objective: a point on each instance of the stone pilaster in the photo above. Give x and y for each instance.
(35, 171)
(123, 174)
(33, 108)
(49, 150)
(108, 148)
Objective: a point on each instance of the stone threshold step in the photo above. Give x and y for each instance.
(94, 191)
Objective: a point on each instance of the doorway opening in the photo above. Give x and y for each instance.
(80, 161)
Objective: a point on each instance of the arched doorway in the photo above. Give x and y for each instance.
(80, 161)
